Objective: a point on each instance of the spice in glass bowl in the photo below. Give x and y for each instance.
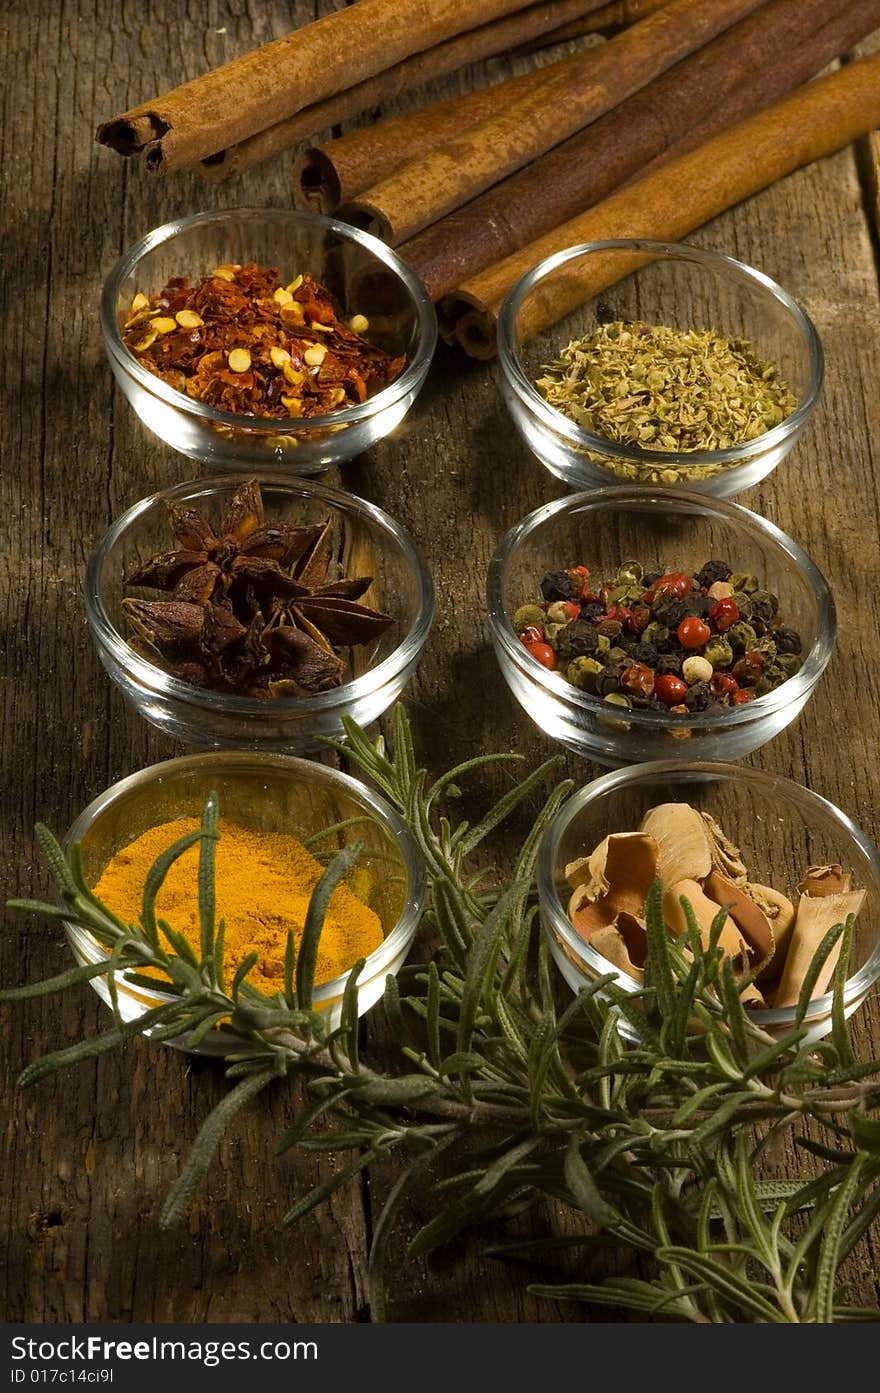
(659, 388)
(771, 941)
(242, 341)
(256, 608)
(675, 641)
(263, 884)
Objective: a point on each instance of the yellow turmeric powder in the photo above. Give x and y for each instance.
(264, 881)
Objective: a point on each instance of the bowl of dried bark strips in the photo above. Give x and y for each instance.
(253, 613)
(267, 337)
(657, 363)
(282, 821)
(786, 864)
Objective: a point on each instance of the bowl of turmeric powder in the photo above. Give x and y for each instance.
(281, 821)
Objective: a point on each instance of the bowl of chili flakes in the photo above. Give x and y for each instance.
(268, 337)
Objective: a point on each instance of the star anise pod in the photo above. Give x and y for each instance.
(253, 607)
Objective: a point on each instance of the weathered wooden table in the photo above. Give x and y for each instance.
(87, 1157)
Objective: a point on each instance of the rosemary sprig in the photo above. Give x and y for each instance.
(655, 1145)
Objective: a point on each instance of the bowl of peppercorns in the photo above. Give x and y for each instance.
(624, 620)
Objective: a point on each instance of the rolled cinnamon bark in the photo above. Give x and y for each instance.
(617, 15)
(537, 22)
(571, 95)
(326, 176)
(260, 88)
(591, 164)
(681, 195)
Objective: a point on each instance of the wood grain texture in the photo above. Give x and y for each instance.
(87, 1157)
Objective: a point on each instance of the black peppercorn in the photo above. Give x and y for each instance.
(713, 571)
(670, 613)
(579, 639)
(644, 653)
(608, 680)
(698, 697)
(669, 662)
(592, 609)
(787, 641)
(556, 585)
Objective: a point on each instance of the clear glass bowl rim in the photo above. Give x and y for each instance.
(391, 821)
(511, 365)
(409, 379)
(803, 681)
(172, 687)
(553, 911)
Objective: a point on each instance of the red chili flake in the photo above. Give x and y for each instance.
(243, 342)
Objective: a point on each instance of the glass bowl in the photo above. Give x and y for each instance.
(780, 827)
(663, 531)
(660, 283)
(366, 542)
(270, 793)
(364, 276)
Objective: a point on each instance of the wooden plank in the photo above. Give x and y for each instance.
(86, 1159)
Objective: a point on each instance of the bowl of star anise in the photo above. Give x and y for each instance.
(267, 338)
(255, 612)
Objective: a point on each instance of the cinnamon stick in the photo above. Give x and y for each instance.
(666, 205)
(617, 15)
(572, 94)
(590, 165)
(271, 83)
(537, 22)
(327, 176)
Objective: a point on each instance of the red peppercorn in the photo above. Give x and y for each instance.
(571, 609)
(670, 689)
(542, 653)
(693, 632)
(740, 697)
(638, 678)
(674, 584)
(723, 684)
(749, 668)
(580, 580)
(724, 614)
(531, 634)
(619, 612)
(639, 619)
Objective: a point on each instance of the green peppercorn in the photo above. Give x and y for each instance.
(741, 637)
(582, 673)
(529, 614)
(604, 648)
(789, 662)
(616, 655)
(718, 652)
(618, 699)
(741, 580)
(767, 648)
(551, 631)
(629, 573)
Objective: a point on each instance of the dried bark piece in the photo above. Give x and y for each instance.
(726, 856)
(816, 914)
(705, 910)
(684, 847)
(612, 944)
(825, 880)
(630, 868)
(780, 911)
(748, 916)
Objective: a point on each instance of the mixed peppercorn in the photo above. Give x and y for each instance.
(672, 641)
(242, 341)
